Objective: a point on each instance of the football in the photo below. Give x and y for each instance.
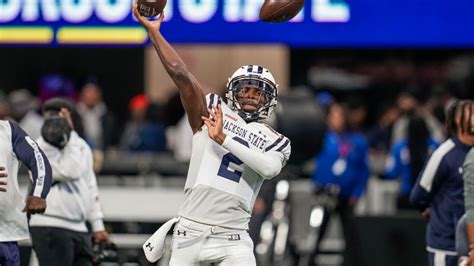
(275, 11)
(150, 8)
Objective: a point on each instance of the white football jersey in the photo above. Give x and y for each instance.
(220, 189)
(15, 148)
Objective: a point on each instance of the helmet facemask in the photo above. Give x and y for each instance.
(265, 107)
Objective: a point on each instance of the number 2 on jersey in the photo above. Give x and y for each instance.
(225, 169)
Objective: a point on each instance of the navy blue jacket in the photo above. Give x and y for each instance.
(440, 188)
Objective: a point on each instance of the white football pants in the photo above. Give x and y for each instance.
(199, 244)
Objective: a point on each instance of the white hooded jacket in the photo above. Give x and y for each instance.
(74, 196)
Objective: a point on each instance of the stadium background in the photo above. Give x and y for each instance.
(358, 52)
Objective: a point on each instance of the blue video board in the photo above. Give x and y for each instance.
(322, 23)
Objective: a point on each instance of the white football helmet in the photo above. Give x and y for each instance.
(253, 76)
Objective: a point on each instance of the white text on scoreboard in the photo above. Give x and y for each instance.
(115, 11)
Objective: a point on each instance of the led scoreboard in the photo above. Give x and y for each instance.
(322, 23)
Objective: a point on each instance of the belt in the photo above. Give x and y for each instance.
(196, 240)
(211, 230)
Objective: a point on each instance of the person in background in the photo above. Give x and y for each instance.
(60, 235)
(98, 122)
(437, 102)
(151, 135)
(409, 103)
(379, 136)
(137, 107)
(342, 164)
(438, 192)
(17, 147)
(356, 114)
(24, 111)
(408, 157)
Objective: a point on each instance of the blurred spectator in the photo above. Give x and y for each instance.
(357, 113)
(438, 102)
(151, 137)
(98, 123)
(24, 108)
(408, 157)
(342, 164)
(380, 134)
(145, 130)
(137, 107)
(408, 105)
(439, 190)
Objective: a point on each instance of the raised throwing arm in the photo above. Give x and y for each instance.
(192, 96)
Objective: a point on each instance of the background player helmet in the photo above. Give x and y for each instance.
(254, 76)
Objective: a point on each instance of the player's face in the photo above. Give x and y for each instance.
(250, 98)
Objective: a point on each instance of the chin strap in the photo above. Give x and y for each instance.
(248, 116)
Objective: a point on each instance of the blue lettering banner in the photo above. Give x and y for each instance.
(322, 23)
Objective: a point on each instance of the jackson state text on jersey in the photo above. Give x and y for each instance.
(213, 169)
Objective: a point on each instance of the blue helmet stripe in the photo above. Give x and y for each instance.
(250, 68)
